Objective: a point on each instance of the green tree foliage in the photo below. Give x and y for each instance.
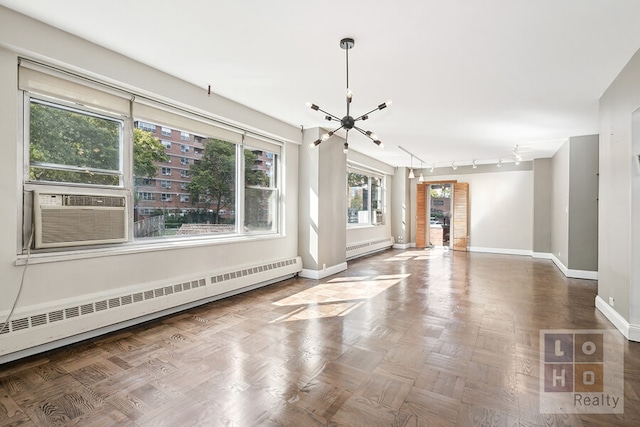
(356, 202)
(357, 180)
(62, 138)
(147, 150)
(212, 178)
(443, 192)
(65, 138)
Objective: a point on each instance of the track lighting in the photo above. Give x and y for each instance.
(474, 165)
(499, 164)
(421, 179)
(453, 165)
(412, 174)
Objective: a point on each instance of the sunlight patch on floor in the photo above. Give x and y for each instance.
(420, 255)
(337, 297)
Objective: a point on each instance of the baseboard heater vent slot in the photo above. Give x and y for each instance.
(363, 248)
(43, 319)
(249, 271)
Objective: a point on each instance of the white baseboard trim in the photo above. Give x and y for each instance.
(541, 255)
(321, 274)
(574, 274)
(501, 251)
(618, 321)
(401, 246)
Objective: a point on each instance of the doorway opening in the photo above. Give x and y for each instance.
(439, 210)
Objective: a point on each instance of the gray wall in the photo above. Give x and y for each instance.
(332, 185)
(583, 203)
(401, 207)
(560, 204)
(617, 251)
(542, 202)
(308, 201)
(323, 203)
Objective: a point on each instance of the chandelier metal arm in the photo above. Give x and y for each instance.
(369, 135)
(365, 116)
(324, 137)
(316, 108)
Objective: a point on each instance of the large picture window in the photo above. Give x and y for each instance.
(204, 198)
(365, 196)
(79, 133)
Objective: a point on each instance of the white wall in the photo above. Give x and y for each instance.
(501, 209)
(84, 278)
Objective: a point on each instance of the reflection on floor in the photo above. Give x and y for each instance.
(402, 338)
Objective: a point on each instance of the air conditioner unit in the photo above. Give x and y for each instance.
(63, 220)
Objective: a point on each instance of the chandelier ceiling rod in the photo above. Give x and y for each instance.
(347, 122)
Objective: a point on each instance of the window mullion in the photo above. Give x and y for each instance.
(240, 184)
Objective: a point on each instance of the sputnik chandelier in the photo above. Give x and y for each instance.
(347, 122)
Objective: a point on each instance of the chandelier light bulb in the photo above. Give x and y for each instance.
(349, 93)
(325, 137)
(345, 150)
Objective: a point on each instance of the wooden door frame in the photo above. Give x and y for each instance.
(421, 209)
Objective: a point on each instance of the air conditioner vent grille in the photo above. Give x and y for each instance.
(103, 201)
(72, 220)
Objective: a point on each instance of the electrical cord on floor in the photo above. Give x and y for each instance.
(24, 271)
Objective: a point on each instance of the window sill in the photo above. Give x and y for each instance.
(359, 226)
(139, 247)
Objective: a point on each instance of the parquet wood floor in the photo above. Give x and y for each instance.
(402, 338)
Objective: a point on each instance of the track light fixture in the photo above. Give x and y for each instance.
(499, 164)
(421, 179)
(348, 122)
(474, 165)
(453, 165)
(516, 155)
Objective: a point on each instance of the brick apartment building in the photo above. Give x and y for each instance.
(168, 192)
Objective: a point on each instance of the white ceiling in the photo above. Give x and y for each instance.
(469, 79)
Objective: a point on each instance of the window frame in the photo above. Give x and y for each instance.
(372, 213)
(275, 189)
(79, 109)
(126, 183)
